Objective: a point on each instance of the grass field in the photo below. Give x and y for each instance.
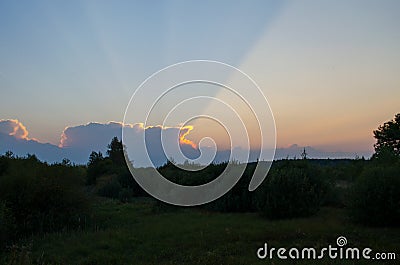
(141, 233)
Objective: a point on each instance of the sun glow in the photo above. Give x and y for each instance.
(184, 131)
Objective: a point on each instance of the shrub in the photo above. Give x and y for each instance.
(97, 167)
(239, 198)
(109, 188)
(376, 196)
(336, 196)
(96, 170)
(3, 165)
(7, 225)
(294, 189)
(43, 198)
(125, 195)
(127, 181)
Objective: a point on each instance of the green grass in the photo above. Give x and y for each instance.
(134, 233)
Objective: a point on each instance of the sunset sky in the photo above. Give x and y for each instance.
(330, 69)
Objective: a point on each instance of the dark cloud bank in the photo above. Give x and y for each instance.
(79, 141)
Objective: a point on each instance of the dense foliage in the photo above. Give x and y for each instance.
(110, 175)
(388, 137)
(239, 198)
(293, 189)
(376, 196)
(7, 224)
(36, 197)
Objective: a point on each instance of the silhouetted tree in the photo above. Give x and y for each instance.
(388, 138)
(66, 162)
(97, 166)
(9, 154)
(116, 152)
(304, 154)
(32, 157)
(95, 157)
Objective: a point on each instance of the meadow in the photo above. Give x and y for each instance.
(140, 233)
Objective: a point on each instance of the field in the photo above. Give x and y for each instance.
(143, 232)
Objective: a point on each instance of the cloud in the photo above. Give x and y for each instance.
(14, 137)
(77, 142)
(96, 136)
(91, 135)
(160, 143)
(13, 128)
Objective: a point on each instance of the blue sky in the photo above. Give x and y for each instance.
(66, 63)
(329, 68)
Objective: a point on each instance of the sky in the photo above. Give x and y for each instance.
(329, 69)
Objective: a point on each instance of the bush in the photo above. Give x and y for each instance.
(109, 188)
(376, 196)
(336, 196)
(43, 198)
(294, 189)
(97, 169)
(239, 198)
(127, 181)
(3, 165)
(125, 195)
(7, 226)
